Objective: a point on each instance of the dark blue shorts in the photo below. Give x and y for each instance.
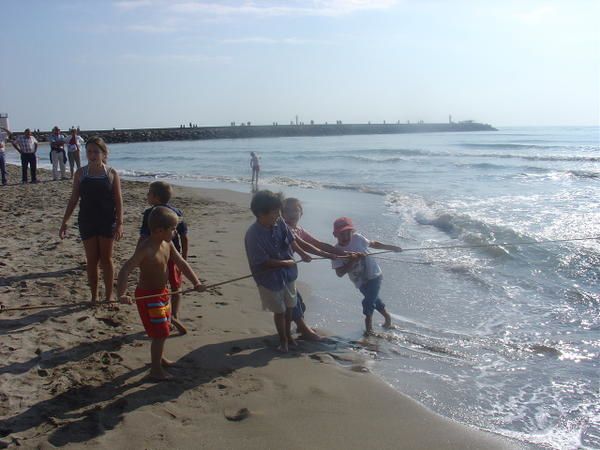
(298, 311)
(372, 302)
(89, 229)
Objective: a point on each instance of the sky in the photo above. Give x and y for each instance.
(159, 63)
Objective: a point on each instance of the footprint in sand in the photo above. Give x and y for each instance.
(109, 321)
(237, 415)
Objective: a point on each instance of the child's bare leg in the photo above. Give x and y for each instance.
(108, 269)
(288, 326)
(175, 302)
(166, 362)
(307, 332)
(156, 353)
(279, 319)
(388, 318)
(369, 324)
(180, 327)
(92, 258)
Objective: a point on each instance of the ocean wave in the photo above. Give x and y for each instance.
(558, 174)
(529, 146)
(293, 182)
(467, 230)
(144, 174)
(278, 180)
(583, 174)
(483, 166)
(345, 157)
(155, 158)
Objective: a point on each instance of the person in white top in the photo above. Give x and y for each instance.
(27, 146)
(363, 271)
(74, 144)
(4, 135)
(57, 153)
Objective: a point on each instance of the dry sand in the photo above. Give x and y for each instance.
(75, 376)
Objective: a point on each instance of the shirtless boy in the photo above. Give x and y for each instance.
(152, 257)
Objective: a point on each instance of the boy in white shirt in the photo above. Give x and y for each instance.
(364, 272)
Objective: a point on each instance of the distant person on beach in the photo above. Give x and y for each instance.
(292, 212)
(100, 214)
(57, 153)
(159, 194)
(255, 166)
(152, 256)
(4, 136)
(270, 247)
(27, 147)
(364, 272)
(74, 145)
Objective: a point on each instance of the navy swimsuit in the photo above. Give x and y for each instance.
(97, 214)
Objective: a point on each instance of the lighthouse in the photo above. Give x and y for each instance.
(4, 121)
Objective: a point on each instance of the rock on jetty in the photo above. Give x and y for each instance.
(265, 131)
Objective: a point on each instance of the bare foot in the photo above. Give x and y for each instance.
(368, 333)
(167, 362)
(283, 348)
(310, 336)
(160, 375)
(94, 303)
(111, 306)
(388, 321)
(180, 327)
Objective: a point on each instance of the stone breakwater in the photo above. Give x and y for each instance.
(265, 131)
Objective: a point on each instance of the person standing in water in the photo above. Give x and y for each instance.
(255, 166)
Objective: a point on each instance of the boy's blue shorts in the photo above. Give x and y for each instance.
(371, 302)
(298, 311)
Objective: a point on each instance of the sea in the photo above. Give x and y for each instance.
(498, 336)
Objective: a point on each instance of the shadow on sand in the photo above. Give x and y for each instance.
(20, 324)
(53, 358)
(7, 281)
(83, 413)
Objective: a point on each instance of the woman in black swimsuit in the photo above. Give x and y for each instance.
(100, 214)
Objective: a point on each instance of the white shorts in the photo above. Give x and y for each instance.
(278, 301)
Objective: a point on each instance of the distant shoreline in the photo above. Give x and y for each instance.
(266, 131)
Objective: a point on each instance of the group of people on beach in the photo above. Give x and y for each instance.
(162, 250)
(27, 146)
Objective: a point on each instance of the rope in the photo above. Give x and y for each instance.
(214, 285)
(181, 291)
(403, 261)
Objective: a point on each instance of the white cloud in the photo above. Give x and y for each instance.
(537, 16)
(265, 8)
(148, 28)
(128, 5)
(269, 41)
(177, 58)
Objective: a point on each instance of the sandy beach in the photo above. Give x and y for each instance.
(76, 377)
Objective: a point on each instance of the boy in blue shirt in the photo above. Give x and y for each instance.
(364, 272)
(270, 246)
